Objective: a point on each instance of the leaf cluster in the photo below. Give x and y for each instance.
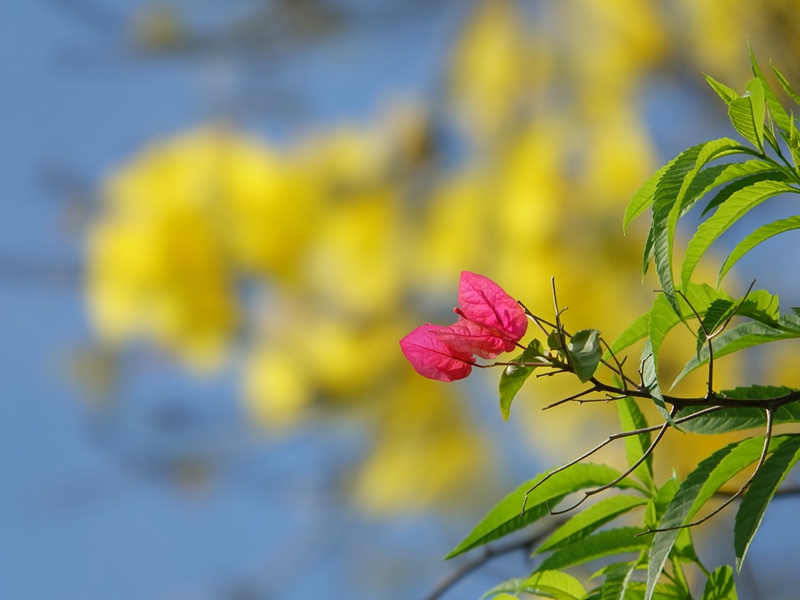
(649, 552)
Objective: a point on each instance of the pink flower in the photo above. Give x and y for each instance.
(432, 358)
(491, 322)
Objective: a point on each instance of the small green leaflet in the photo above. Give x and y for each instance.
(775, 108)
(505, 518)
(663, 261)
(598, 545)
(514, 376)
(727, 214)
(651, 381)
(758, 305)
(662, 319)
(785, 84)
(747, 114)
(759, 494)
(668, 201)
(727, 94)
(720, 585)
(658, 504)
(584, 353)
(744, 335)
(663, 195)
(754, 239)
(503, 590)
(745, 181)
(643, 198)
(716, 175)
(631, 418)
(553, 584)
(589, 520)
(617, 580)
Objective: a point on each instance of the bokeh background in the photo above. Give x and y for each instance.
(218, 219)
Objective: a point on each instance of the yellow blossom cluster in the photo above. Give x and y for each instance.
(313, 259)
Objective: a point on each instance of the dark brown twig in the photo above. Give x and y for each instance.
(631, 469)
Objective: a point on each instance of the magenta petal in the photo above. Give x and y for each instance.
(432, 358)
(470, 338)
(484, 302)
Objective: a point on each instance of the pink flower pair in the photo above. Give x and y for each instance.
(490, 322)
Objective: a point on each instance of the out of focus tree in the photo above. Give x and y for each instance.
(303, 262)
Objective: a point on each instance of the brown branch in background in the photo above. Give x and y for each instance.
(489, 553)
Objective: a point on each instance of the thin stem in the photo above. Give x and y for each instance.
(619, 370)
(761, 460)
(631, 469)
(617, 436)
(569, 398)
(559, 326)
(710, 385)
(722, 327)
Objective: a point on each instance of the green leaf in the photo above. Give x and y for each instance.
(553, 584)
(754, 239)
(584, 353)
(643, 198)
(510, 586)
(631, 418)
(758, 305)
(684, 548)
(793, 141)
(663, 197)
(650, 380)
(616, 582)
(693, 493)
(514, 376)
(663, 591)
(724, 92)
(746, 181)
(662, 319)
(554, 341)
(738, 419)
(506, 517)
(759, 494)
(785, 84)
(717, 175)
(669, 200)
(739, 337)
(728, 213)
(657, 506)
(598, 545)
(589, 520)
(747, 114)
(761, 306)
(636, 331)
(775, 107)
(720, 585)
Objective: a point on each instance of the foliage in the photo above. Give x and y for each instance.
(662, 536)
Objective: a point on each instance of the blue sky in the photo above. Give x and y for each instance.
(85, 515)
